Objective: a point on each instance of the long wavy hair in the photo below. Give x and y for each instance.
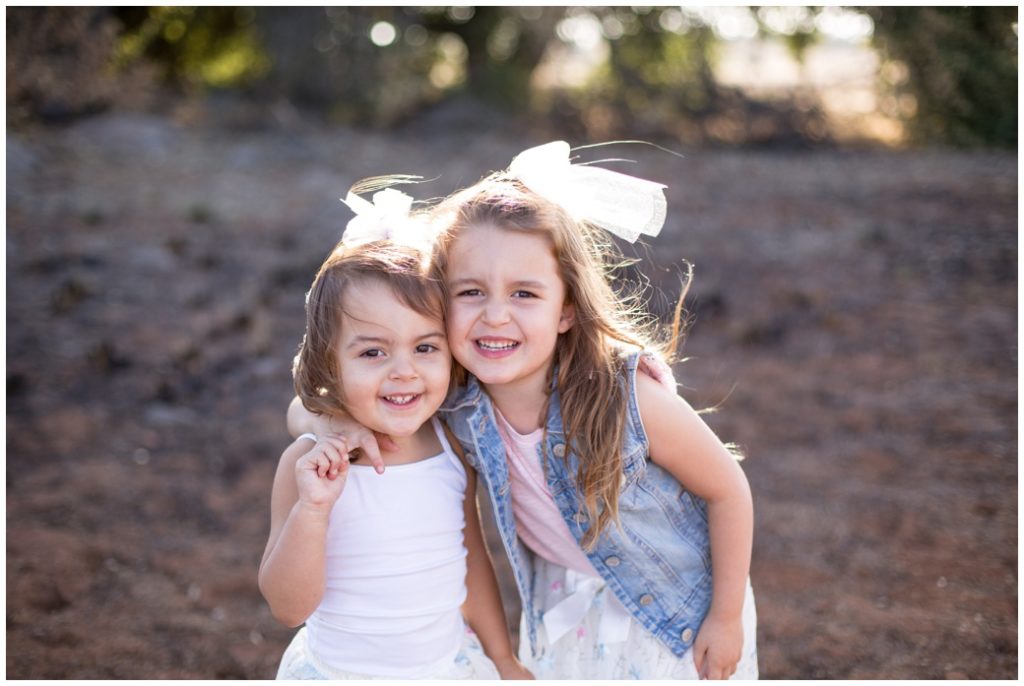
(316, 370)
(589, 356)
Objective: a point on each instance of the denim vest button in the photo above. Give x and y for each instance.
(580, 517)
(504, 489)
(559, 450)
(646, 599)
(686, 635)
(612, 561)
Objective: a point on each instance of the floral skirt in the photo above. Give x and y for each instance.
(607, 643)
(469, 663)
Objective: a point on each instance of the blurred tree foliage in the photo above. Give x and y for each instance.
(325, 59)
(952, 70)
(504, 45)
(381, 65)
(194, 46)
(960, 69)
(659, 81)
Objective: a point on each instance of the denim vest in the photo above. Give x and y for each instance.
(658, 564)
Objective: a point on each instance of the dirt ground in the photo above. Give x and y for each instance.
(854, 320)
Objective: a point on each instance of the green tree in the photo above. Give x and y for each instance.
(961, 70)
(193, 46)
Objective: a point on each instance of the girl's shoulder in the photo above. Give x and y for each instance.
(299, 447)
(632, 361)
(646, 374)
(654, 367)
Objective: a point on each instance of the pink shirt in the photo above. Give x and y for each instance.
(538, 521)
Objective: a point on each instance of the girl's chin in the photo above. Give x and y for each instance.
(401, 433)
(480, 375)
(395, 429)
(490, 376)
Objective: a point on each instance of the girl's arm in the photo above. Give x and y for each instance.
(685, 446)
(308, 482)
(300, 421)
(482, 609)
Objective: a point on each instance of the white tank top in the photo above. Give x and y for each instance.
(396, 569)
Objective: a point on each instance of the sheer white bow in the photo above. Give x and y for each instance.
(624, 205)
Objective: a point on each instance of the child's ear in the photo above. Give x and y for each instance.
(567, 319)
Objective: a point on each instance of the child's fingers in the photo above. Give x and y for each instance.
(699, 660)
(336, 452)
(317, 460)
(717, 668)
(321, 464)
(367, 442)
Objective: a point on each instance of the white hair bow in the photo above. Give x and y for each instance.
(624, 205)
(386, 218)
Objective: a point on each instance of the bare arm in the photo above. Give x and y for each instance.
(685, 446)
(301, 421)
(309, 480)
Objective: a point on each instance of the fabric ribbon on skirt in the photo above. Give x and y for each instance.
(581, 589)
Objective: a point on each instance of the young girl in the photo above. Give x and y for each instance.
(378, 566)
(627, 523)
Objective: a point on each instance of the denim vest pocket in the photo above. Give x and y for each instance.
(678, 509)
(673, 497)
(634, 464)
(558, 463)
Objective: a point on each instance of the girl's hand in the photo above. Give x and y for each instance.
(321, 473)
(718, 647)
(301, 420)
(511, 669)
(370, 443)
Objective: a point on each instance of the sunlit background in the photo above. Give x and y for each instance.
(722, 75)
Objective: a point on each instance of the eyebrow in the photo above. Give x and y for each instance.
(535, 285)
(363, 340)
(462, 282)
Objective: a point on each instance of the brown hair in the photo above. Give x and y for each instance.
(406, 271)
(589, 355)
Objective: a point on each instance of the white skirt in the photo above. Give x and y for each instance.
(298, 662)
(592, 648)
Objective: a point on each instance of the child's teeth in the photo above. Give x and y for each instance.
(400, 399)
(494, 345)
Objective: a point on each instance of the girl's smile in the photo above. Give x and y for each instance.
(506, 306)
(402, 400)
(496, 348)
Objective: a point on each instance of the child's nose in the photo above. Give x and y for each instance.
(495, 312)
(403, 368)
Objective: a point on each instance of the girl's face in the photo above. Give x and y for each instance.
(394, 361)
(507, 305)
